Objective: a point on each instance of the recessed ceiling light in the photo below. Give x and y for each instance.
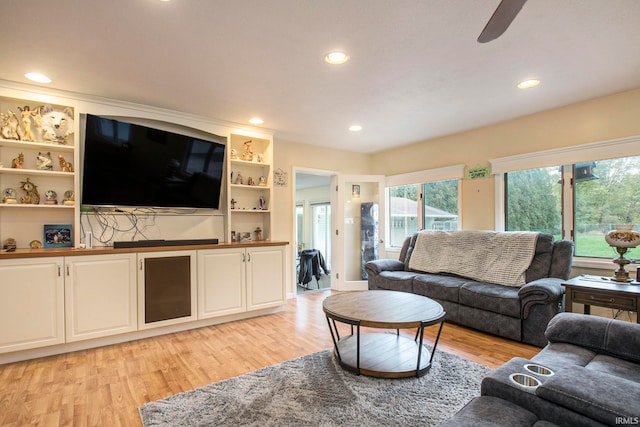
(336, 57)
(355, 128)
(37, 77)
(256, 121)
(528, 84)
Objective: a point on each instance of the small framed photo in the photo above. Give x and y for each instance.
(355, 191)
(58, 235)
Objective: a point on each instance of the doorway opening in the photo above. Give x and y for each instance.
(313, 230)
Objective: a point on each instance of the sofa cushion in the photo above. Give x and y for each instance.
(615, 366)
(598, 395)
(406, 255)
(396, 280)
(541, 261)
(607, 336)
(558, 355)
(489, 411)
(439, 286)
(490, 297)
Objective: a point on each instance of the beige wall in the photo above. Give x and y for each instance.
(288, 155)
(600, 119)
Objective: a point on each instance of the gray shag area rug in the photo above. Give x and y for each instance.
(314, 390)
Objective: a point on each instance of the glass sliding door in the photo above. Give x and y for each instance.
(321, 230)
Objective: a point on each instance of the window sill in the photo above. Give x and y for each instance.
(600, 263)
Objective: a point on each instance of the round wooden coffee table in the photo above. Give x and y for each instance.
(379, 354)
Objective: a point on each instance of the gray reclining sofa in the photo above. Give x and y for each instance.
(518, 312)
(587, 375)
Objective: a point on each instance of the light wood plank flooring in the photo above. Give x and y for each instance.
(105, 386)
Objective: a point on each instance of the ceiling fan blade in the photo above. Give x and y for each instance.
(501, 19)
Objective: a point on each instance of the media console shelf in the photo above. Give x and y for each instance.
(250, 185)
(27, 225)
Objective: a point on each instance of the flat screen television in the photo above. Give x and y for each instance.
(131, 165)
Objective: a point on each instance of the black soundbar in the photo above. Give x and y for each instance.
(161, 242)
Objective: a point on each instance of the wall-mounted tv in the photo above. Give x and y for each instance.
(132, 165)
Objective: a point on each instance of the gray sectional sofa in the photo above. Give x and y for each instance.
(519, 312)
(593, 379)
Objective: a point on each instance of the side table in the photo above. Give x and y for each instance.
(602, 292)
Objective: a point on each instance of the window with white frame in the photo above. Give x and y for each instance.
(533, 200)
(422, 200)
(579, 200)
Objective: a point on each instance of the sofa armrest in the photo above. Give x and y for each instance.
(377, 266)
(598, 395)
(606, 336)
(547, 290)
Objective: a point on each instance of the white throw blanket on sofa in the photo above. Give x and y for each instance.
(485, 256)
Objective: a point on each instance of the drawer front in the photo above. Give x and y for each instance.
(605, 299)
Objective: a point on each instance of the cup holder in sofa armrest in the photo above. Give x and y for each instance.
(536, 369)
(525, 380)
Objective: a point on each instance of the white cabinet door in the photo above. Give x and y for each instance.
(100, 295)
(31, 303)
(221, 282)
(265, 277)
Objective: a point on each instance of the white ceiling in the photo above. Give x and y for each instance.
(416, 70)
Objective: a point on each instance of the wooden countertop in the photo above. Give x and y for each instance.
(102, 250)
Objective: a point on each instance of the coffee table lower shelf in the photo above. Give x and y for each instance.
(383, 355)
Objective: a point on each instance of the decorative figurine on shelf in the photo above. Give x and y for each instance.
(50, 198)
(56, 125)
(43, 161)
(250, 181)
(18, 162)
(9, 196)
(64, 165)
(32, 197)
(233, 203)
(258, 232)
(10, 244)
(262, 203)
(234, 154)
(238, 179)
(69, 198)
(247, 152)
(262, 181)
(26, 114)
(9, 128)
(260, 158)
